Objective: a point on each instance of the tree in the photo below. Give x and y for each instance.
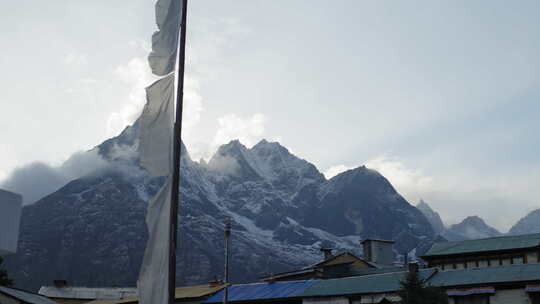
(414, 290)
(4, 279)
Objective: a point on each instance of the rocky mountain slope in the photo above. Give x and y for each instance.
(472, 227)
(432, 216)
(91, 231)
(528, 224)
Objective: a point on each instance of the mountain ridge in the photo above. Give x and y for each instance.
(91, 231)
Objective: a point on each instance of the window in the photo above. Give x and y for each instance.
(472, 299)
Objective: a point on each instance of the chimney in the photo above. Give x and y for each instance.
(327, 253)
(413, 267)
(215, 282)
(60, 283)
(377, 251)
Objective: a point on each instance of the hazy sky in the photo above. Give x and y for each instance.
(441, 96)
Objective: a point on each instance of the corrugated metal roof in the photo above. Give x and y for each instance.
(181, 293)
(361, 285)
(483, 245)
(263, 291)
(25, 296)
(487, 275)
(88, 293)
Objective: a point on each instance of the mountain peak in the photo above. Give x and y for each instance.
(474, 220)
(528, 224)
(473, 227)
(432, 216)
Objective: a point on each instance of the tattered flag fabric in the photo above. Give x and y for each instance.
(154, 276)
(155, 148)
(162, 59)
(156, 130)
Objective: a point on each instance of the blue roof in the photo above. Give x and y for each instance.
(263, 291)
(25, 296)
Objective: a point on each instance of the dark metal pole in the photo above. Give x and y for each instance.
(227, 236)
(177, 140)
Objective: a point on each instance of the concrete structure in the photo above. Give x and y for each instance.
(380, 252)
(489, 252)
(10, 217)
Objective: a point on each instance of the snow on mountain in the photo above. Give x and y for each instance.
(472, 227)
(91, 232)
(528, 224)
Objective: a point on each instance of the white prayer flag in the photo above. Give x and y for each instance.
(155, 147)
(162, 59)
(154, 275)
(156, 129)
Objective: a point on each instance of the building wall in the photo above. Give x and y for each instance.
(517, 296)
(506, 296)
(532, 257)
(8, 300)
(475, 261)
(380, 252)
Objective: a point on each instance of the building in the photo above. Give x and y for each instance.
(378, 257)
(17, 296)
(10, 216)
(512, 284)
(489, 252)
(186, 295)
(516, 284)
(63, 294)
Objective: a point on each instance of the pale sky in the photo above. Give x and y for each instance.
(441, 96)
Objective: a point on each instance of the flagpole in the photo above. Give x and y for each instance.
(175, 191)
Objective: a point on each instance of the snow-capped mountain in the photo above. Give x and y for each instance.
(91, 231)
(472, 227)
(528, 224)
(432, 216)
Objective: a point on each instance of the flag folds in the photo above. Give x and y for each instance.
(155, 147)
(154, 275)
(162, 59)
(156, 131)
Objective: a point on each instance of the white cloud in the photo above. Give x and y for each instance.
(335, 170)
(38, 179)
(193, 105)
(411, 183)
(247, 130)
(137, 75)
(76, 59)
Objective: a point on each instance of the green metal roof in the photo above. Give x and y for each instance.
(484, 245)
(487, 275)
(361, 285)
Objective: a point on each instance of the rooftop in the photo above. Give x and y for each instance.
(487, 275)
(263, 291)
(376, 283)
(183, 293)
(86, 293)
(484, 245)
(25, 296)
